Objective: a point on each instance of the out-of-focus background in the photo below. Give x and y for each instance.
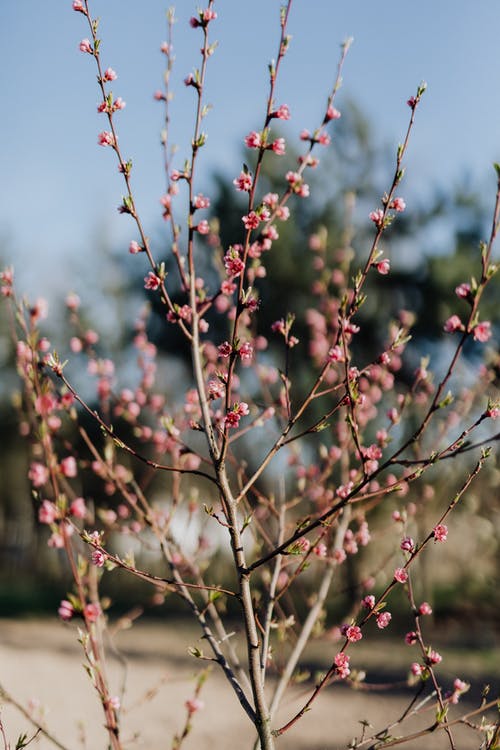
(61, 231)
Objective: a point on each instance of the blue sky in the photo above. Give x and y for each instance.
(60, 190)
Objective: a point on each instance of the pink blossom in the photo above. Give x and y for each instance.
(296, 183)
(453, 324)
(246, 352)
(332, 113)
(425, 609)
(282, 113)
(203, 227)
(110, 75)
(433, 657)
(241, 408)
(440, 532)
(283, 213)
(159, 95)
(320, 550)
(208, 15)
(482, 331)
(351, 632)
(225, 349)
(106, 138)
(232, 420)
(377, 217)
(493, 412)
(412, 102)
(119, 104)
(278, 146)
(194, 704)
(393, 415)
(279, 326)
(68, 467)
(78, 508)
(411, 638)
(243, 182)
(56, 540)
(294, 179)
(75, 344)
(339, 555)
(460, 685)
(344, 490)
(92, 611)
(47, 512)
(72, 301)
(341, 661)
(98, 558)
(368, 602)
(400, 575)
(38, 474)
(383, 619)
(397, 204)
(228, 287)
(350, 328)
(85, 46)
(67, 400)
(350, 544)
(66, 610)
(335, 354)
(78, 6)
(407, 544)
(323, 139)
(251, 220)
(253, 140)
(416, 669)
(201, 201)
(463, 291)
(233, 263)
(152, 281)
(303, 545)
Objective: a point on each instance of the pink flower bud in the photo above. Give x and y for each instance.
(92, 611)
(193, 705)
(453, 324)
(400, 575)
(78, 508)
(377, 217)
(68, 467)
(66, 610)
(110, 75)
(425, 609)
(47, 513)
(407, 544)
(134, 248)
(85, 46)
(332, 113)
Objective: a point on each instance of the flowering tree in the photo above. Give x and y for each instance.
(347, 445)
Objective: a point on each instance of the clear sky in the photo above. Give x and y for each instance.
(60, 190)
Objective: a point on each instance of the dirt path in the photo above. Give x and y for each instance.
(41, 666)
